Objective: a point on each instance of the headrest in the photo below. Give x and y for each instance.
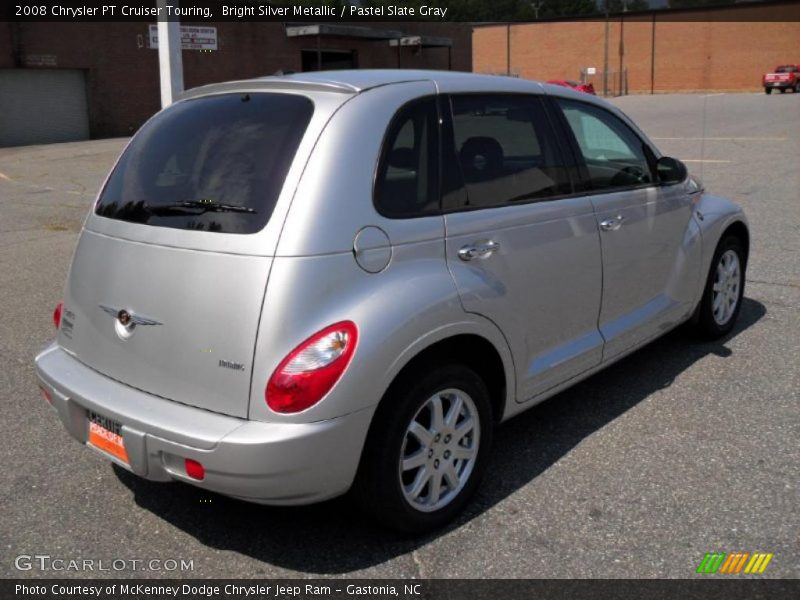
(481, 157)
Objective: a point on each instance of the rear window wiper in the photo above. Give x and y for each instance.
(195, 207)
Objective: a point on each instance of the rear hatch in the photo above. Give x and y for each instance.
(169, 275)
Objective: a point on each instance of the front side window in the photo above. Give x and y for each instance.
(406, 184)
(614, 155)
(505, 150)
(216, 163)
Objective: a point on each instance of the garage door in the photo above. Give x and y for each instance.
(40, 106)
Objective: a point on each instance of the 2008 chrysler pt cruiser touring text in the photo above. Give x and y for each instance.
(292, 287)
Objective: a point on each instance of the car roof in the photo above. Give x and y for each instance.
(355, 81)
(359, 80)
(350, 82)
(364, 79)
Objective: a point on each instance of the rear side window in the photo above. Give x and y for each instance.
(406, 184)
(216, 163)
(505, 149)
(615, 157)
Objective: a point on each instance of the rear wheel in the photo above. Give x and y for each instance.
(797, 88)
(722, 298)
(427, 449)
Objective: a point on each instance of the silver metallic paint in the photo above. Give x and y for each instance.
(252, 298)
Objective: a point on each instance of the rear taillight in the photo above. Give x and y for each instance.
(57, 314)
(312, 369)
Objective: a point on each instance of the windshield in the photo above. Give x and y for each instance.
(215, 163)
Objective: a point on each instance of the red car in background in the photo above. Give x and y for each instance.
(586, 88)
(784, 77)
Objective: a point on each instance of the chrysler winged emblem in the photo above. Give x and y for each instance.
(126, 321)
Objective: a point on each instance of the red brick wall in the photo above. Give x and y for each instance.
(489, 49)
(722, 56)
(123, 78)
(711, 55)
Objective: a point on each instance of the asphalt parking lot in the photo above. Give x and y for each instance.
(680, 449)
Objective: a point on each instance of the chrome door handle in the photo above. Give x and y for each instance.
(478, 250)
(612, 224)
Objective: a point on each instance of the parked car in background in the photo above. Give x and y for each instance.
(586, 88)
(784, 77)
(292, 287)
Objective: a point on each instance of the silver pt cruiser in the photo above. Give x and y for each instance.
(294, 287)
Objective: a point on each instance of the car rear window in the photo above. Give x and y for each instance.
(215, 163)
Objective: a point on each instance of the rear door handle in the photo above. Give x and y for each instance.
(612, 224)
(478, 250)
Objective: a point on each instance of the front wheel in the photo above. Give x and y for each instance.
(722, 297)
(767, 91)
(427, 449)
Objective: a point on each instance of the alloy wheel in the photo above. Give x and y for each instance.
(439, 450)
(727, 282)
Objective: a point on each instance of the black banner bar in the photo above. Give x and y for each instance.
(710, 587)
(306, 11)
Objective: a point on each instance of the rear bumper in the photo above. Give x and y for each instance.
(779, 84)
(270, 463)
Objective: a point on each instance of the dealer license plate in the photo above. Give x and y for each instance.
(106, 435)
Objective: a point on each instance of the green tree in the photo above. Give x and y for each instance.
(548, 9)
(618, 6)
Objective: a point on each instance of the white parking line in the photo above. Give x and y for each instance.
(725, 139)
(702, 160)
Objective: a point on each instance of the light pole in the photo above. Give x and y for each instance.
(605, 55)
(170, 60)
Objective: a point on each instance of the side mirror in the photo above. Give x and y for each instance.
(671, 170)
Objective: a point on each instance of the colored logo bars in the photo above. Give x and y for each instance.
(734, 563)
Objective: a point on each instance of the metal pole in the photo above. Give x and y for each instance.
(170, 61)
(621, 53)
(605, 56)
(508, 50)
(653, 58)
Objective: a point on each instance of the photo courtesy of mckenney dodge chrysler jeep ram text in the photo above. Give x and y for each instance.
(294, 287)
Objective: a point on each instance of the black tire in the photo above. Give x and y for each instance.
(378, 488)
(797, 88)
(704, 322)
(783, 90)
(767, 91)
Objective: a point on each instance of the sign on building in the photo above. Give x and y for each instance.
(192, 38)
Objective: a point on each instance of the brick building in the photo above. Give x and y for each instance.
(722, 49)
(63, 81)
